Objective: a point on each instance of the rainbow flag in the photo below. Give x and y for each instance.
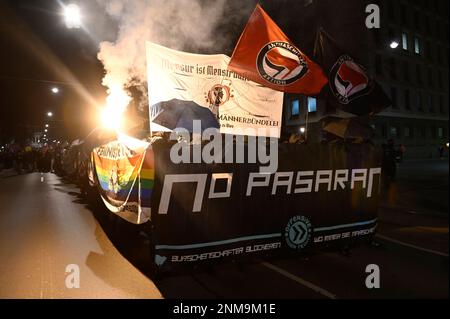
(124, 170)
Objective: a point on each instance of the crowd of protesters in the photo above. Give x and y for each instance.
(28, 158)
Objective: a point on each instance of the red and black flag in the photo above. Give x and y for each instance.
(265, 55)
(350, 87)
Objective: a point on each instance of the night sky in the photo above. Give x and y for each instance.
(39, 52)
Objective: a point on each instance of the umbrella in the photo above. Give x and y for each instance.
(98, 137)
(349, 128)
(181, 114)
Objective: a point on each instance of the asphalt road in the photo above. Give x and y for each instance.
(43, 228)
(46, 225)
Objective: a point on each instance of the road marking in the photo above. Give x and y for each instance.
(424, 229)
(411, 245)
(299, 280)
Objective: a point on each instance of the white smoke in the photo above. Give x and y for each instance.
(178, 24)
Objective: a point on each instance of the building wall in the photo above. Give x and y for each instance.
(415, 74)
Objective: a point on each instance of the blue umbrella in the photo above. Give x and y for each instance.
(181, 114)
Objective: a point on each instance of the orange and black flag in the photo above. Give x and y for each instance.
(350, 87)
(265, 55)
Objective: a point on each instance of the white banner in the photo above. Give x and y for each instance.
(204, 79)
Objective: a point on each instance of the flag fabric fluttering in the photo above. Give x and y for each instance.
(185, 86)
(265, 55)
(350, 87)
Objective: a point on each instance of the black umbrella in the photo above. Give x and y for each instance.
(181, 114)
(349, 128)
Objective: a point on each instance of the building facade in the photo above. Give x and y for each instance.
(408, 55)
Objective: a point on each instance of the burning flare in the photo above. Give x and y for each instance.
(116, 104)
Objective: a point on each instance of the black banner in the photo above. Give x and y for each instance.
(321, 194)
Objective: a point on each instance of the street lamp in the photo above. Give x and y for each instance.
(45, 130)
(46, 125)
(302, 130)
(55, 90)
(72, 16)
(49, 114)
(394, 44)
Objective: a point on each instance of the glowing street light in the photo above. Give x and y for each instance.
(45, 130)
(72, 16)
(49, 114)
(394, 44)
(302, 130)
(46, 125)
(55, 90)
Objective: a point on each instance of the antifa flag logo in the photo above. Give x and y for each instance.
(349, 80)
(281, 63)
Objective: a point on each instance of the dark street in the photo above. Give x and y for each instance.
(55, 227)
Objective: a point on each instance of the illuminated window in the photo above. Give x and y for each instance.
(295, 108)
(312, 104)
(404, 41)
(407, 132)
(416, 45)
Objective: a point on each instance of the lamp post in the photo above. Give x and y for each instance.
(72, 16)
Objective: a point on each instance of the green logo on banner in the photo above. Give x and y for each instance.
(298, 232)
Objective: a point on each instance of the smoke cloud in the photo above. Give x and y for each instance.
(179, 24)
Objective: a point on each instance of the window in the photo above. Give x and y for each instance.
(391, 34)
(416, 20)
(428, 50)
(407, 100)
(440, 132)
(393, 68)
(438, 29)
(430, 103)
(433, 132)
(419, 101)
(430, 78)
(406, 75)
(394, 97)
(394, 131)
(391, 10)
(416, 45)
(441, 85)
(377, 36)
(295, 108)
(383, 131)
(421, 131)
(404, 12)
(378, 65)
(312, 104)
(439, 53)
(418, 74)
(427, 24)
(407, 131)
(404, 41)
